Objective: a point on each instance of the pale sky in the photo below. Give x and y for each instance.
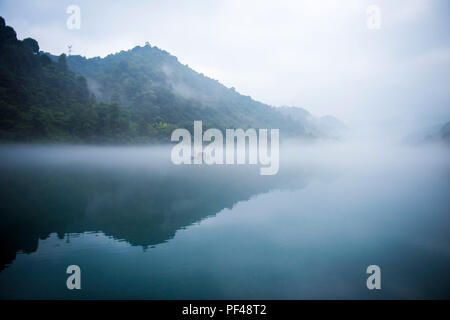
(320, 55)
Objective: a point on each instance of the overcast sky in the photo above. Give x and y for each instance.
(320, 55)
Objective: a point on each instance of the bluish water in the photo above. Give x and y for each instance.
(140, 227)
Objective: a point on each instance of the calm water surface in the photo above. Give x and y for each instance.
(140, 227)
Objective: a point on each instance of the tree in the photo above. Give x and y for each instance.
(45, 60)
(62, 62)
(32, 44)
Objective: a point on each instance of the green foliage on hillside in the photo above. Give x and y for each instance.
(156, 88)
(140, 95)
(42, 100)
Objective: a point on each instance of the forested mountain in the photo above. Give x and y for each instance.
(140, 95)
(42, 100)
(156, 88)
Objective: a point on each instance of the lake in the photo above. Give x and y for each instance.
(140, 227)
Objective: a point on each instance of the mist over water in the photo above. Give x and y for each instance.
(142, 227)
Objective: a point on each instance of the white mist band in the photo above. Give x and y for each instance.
(214, 152)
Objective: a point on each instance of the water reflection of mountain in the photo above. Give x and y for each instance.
(144, 206)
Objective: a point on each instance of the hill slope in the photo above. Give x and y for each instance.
(154, 86)
(42, 100)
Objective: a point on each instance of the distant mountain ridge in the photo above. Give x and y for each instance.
(436, 133)
(322, 127)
